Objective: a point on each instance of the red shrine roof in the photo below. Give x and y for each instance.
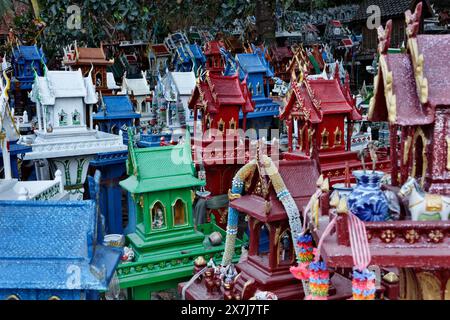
(213, 48)
(312, 99)
(281, 53)
(218, 90)
(160, 50)
(291, 172)
(409, 95)
(86, 56)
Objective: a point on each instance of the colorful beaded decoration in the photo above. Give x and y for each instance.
(363, 284)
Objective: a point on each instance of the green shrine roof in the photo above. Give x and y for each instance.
(160, 168)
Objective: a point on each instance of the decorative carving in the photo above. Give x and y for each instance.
(413, 21)
(384, 37)
(388, 235)
(436, 236)
(337, 136)
(324, 134)
(412, 236)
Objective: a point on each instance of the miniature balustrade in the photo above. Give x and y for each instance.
(400, 232)
(57, 187)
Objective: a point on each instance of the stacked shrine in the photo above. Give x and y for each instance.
(26, 61)
(318, 111)
(218, 148)
(165, 242)
(64, 101)
(256, 70)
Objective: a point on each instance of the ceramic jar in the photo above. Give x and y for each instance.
(367, 201)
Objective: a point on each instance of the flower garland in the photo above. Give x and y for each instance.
(363, 284)
(319, 281)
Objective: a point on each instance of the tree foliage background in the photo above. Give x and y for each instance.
(104, 20)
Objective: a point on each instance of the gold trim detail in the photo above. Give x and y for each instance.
(324, 142)
(337, 136)
(448, 153)
(419, 132)
(418, 63)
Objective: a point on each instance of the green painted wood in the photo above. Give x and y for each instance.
(164, 252)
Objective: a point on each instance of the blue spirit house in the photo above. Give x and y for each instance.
(25, 61)
(114, 112)
(50, 251)
(257, 72)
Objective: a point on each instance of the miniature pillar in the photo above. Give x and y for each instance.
(58, 178)
(289, 125)
(91, 121)
(6, 158)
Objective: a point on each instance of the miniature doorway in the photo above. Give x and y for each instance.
(263, 236)
(285, 248)
(158, 215)
(179, 213)
(419, 156)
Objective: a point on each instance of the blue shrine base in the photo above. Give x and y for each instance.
(112, 166)
(16, 151)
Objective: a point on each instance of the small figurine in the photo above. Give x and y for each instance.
(158, 219)
(128, 254)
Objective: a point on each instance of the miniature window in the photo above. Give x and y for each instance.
(232, 124)
(325, 134)
(158, 212)
(221, 125)
(13, 297)
(285, 248)
(250, 88)
(98, 79)
(258, 88)
(54, 298)
(337, 136)
(420, 158)
(179, 213)
(76, 118)
(143, 107)
(62, 118)
(263, 236)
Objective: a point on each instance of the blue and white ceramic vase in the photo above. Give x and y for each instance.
(367, 201)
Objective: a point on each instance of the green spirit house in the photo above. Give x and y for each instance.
(165, 242)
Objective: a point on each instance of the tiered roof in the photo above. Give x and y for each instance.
(312, 99)
(116, 107)
(160, 168)
(63, 84)
(410, 86)
(217, 91)
(291, 172)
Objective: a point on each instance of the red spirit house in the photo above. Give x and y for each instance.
(219, 99)
(412, 93)
(318, 109)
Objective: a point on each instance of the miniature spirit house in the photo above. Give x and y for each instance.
(50, 251)
(254, 68)
(318, 112)
(220, 99)
(136, 86)
(280, 58)
(114, 112)
(26, 61)
(412, 94)
(189, 58)
(158, 56)
(91, 61)
(64, 102)
(268, 270)
(178, 88)
(165, 243)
